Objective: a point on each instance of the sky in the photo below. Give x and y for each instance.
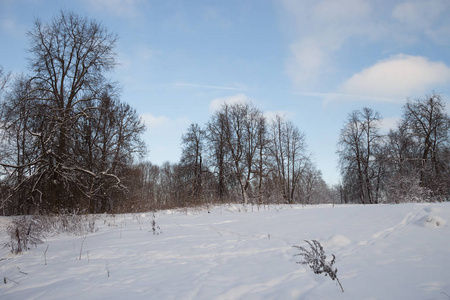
(313, 61)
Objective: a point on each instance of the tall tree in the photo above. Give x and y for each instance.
(359, 142)
(65, 104)
(287, 150)
(242, 126)
(218, 154)
(429, 125)
(192, 160)
(4, 77)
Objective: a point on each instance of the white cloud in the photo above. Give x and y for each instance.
(11, 27)
(398, 77)
(145, 53)
(216, 87)
(217, 103)
(152, 121)
(320, 29)
(427, 17)
(306, 61)
(214, 16)
(389, 123)
(126, 8)
(421, 14)
(136, 57)
(271, 115)
(158, 122)
(340, 10)
(163, 136)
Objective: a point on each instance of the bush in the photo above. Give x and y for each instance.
(25, 232)
(316, 260)
(67, 223)
(155, 227)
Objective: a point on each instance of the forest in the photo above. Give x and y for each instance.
(70, 144)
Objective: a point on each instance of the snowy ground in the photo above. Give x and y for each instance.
(382, 252)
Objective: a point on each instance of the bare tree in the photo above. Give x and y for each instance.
(17, 150)
(310, 180)
(241, 126)
(359, 142)
(262, 165)
(192, 160)
(68, 112)
(218, 154)
(287, 150)
(402, 179)
(4, 78)
(410, 163)
(107, 142)
(429, 125)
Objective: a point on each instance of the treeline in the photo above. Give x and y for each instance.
(410, 163)
(238, 156)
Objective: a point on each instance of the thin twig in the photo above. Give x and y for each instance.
(6, 279)
(107, 270)
(45, 255)
(81, 248)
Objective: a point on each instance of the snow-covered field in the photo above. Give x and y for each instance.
(382, 252)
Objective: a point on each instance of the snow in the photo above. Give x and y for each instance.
(432, 221)
(235, 252)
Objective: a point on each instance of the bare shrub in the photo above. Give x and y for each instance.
(316, 260)
(69, 223)
(155, 227)
(25, 232)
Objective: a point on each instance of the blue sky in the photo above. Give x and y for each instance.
(314, 61)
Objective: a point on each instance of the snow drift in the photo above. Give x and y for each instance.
(382, 252)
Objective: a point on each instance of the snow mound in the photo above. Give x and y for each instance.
(431, 221)
(336, 241)
(432, 210)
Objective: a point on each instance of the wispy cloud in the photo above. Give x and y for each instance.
(429, 17)
(137, 57)
(123, 8)
(164, 122)
(271, 115)
(205, 86)
(10, 26)
(389, 123)
(320, 30)
(213, 15)
(146, 52)
(152, 121)
(344, 97)
(217, 103)
(163, 136)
